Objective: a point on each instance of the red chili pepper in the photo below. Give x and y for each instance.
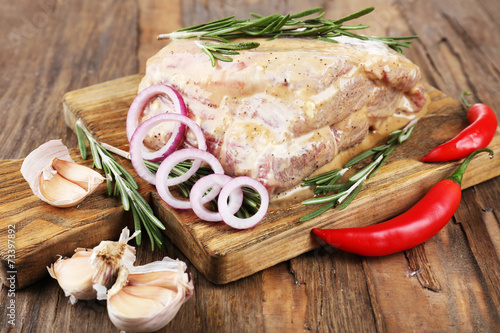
(415, 226)
(480, 132)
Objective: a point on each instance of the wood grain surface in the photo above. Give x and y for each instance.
(449, 284)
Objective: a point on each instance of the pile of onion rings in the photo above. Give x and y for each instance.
(226, 189)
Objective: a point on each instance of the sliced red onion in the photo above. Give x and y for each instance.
(233, 185)
(215, 182)
(136, 146)
(135, 112)
(163, 182)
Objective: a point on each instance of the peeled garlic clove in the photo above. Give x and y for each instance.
(166, 279)
(137, 302)
(55, 178)
(110, 259)
(58, 189)
(78, 174)
(152, 296)
(74, 275)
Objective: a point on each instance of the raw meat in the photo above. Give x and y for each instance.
(280, 111)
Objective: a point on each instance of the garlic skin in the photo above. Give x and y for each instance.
(151, 297)
(110, 260)
(55, 178)
(74, 275)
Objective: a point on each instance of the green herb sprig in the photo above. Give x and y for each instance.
(346, 192)
(214, 37)
(124, 186)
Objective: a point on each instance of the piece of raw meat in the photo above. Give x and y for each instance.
(280, 111)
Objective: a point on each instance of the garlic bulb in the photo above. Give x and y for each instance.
(55, 178)
(141, 298)
(74, 275)
(151, 297)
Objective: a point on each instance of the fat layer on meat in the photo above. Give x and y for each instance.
(278, 112)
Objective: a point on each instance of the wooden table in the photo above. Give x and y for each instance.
(449, 284)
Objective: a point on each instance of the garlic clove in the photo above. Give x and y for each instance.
(74, 275)
(152, 297)
(80, 175)
(55, 178)
(166, 279)
(141, 301)
(59, 189)
(163, 295)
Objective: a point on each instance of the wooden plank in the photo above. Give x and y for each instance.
(472, 220)
(342, 275)
(419, 264)
(284, 300)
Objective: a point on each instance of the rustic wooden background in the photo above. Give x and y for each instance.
(450, 284)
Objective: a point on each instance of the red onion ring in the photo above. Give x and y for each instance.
(136, 109)
(136, 146)
(163, 182)
(198, 197)
(225, 211)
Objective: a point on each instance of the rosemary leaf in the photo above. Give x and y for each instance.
(382, 162)
(137, 224)
(306, 12)
(317, 212)
(355, 15)
(97, 157)
(320, 200)
(360, 157)
(354, 27)
(279, 24)
(221, 57)
(123, 193)
(207, 25)
(207, 52)
(351, 197)
(328, 38)
(334, 187)
(81, 143)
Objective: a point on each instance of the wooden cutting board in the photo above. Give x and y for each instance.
(42, 232)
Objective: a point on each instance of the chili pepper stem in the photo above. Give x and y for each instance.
(459, 172)
(462, 96)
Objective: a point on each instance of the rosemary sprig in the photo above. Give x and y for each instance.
(124, 186)
(346, 192)
(220, 32)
